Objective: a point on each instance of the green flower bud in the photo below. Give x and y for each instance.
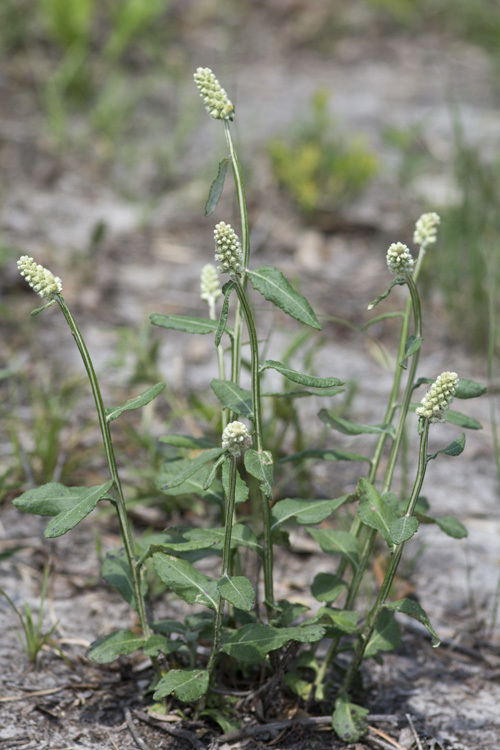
(228, 249)
(236, 438)
(426, 230)
(217, 102)
(438, 398)
(399, 259)
(40, 279)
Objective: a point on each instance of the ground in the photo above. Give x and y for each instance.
(155, 242)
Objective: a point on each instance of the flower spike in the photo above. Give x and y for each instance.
(399, 259)
(210, 289)
(438, 398)
(236, 439)
(217, 102)
(227, 249)
(40, 279)
(426, 230)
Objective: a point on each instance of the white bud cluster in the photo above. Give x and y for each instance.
(228, 249)
(236, 438)
(426, 230)
(217, 102)
(399, 259)
(40, 279)
(439, 397)
(210, 289)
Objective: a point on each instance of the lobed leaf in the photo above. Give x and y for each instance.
(311, 381)
(135, 403)
(71, 517)
(276, 289)
(185, 684)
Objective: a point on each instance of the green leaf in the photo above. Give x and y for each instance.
(344, 620)
(68, 519)
(413, 609)
(217, 186)
(233, 397)
(116, 572)
(353, 428)
(452, 527)
(193, 485)
(311, 381)
(384, 294)
(453, 449)
(135, 403)
(49, 499)
(185, 684)
(261, 466)
(349, 719)
(403, 529)
(241, 536)
(462, 420)
(193, 465)
(375, 510)
(412, 346)
(324, 392)
(187, 582)
(327, 455)
(254, 641)
(237, 590)
(241, 490)
(185, 323)
(186, 441)
(385, 637)
(228, 288)
(119, 643)
(276, 289)
(304, 511)
(158, 643)
(337, 543)
(327, 587)
(469, 389)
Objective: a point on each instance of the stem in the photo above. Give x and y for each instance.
(116, 491)
(373, 616)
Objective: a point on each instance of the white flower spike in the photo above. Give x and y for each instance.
(236, 439)
(40, 279)
(438, 398)
(426, 230)
(399, 260)
(228, 249)
(217, 102)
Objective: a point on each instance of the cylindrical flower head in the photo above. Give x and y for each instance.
(426, 230)
(236, 438)
(210, 289)
(438, 398)
(227, 249)
(40, 279)
(217, 102)
(399, 259)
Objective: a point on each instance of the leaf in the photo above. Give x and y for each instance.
(135, 403)
(119, 643)
(158, 643)
(241, 490)
(193, 485)
(186, 441)
(185, 684)
(413, 609)
(311, 381)
(233, 397)
(254, 641)
(217, 186)
(68, 519)
(349, 719)
(324, 392)
(260, 465)
(375, 510)
(462, 420)
(238, 591)
(327, 587)
(49, 499)
(185, 323)
(412, 346)
(327, 455)
(403, 529)
(304, 511)
(384, 294)
(452, 527)
(353, 428)
(116, 572)
(385, 637)
(228, 288)
(187, 582)
(469, 389)
(337, 543)
(193, 465)
(241, 536)
(453, 449)
(344, 620)
(276, 289)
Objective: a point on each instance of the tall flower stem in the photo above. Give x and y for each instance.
(116, 492)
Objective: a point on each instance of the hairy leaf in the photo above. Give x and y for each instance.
(254, 641)
(237, 590)
(135, 403)
(185, 684)
(276, 289)
(304, 511)
(349, 719)
(311, 381)
(353, 428)
(260, 465)
(413, 609)
(187, 582)
(120, 643)
(386, 636)
(233, 397)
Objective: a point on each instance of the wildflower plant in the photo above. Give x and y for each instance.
(242, 619)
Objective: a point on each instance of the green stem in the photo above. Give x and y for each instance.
(116, 491)
(374, 614)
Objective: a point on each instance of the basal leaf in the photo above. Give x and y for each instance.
(156, 644)
(413, 609)
(185, 323)
(187, 582)
(386, 636)
(260, 465)
(233, 397)
(237, 590)
(403, 529)
(304, 511)
(254, 641)
(135, 403)
(69, 518)
(337, 543)
(327, 587)
(276, 289)
(311, 381)
(185, 684)
(349, 719)
(110, 647)
(353, 428)
(217, 186)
